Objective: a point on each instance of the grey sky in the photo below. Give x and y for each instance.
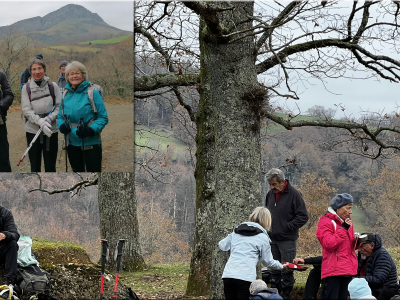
(115, 13)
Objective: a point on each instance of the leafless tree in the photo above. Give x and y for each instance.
(244, 58)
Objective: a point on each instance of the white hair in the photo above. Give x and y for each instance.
(275, 173)
(257, 286)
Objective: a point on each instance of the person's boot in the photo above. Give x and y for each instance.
(8, 281)
(286, 293)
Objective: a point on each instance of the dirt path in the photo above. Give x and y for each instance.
(117, 140)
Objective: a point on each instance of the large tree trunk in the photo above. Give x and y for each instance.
(228, 148)
(118, 218)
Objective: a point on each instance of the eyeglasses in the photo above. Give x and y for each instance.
(75, 74)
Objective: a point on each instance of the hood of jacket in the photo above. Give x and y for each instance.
(249, 229)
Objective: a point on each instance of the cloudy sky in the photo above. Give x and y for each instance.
(115, 13)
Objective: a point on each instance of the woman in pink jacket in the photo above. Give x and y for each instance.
(336, 235)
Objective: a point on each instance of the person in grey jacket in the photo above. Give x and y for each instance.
(9, 237)
(40, 111)
(6, 99)
(248, 243)
(289, 214)
(61, 79)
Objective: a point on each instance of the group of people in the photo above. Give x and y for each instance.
(271, 235)
(72, 106)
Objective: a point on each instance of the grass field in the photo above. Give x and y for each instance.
(108, 41)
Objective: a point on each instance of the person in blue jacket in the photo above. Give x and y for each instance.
(78, 121)
(248, 244)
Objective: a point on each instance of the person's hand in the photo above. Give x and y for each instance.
(45, 126)
(349, 221)
(285, 266)
(65, 129)
(298, 261)
(85, 132)
(2, 236)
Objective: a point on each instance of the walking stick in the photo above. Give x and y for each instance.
(33, 140)
(81, 125)
(104, 259)
(117, 257)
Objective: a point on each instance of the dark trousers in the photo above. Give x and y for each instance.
(39, 148)
(92, 158)
(283, 251)
(236, 289)
(312, 284)
(8, 257)
(335, 287)
(4, 150)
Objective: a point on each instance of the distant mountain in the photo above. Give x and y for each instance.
(70, 24)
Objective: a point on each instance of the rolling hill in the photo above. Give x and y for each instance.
(70, 24)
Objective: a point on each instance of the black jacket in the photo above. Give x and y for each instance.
(381, 269)
(289, 213)
(6, 95)
(7, 224)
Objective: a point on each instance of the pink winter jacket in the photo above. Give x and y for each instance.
(338, 254)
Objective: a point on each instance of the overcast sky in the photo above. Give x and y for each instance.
(115, 13)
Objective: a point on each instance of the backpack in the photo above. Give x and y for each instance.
(51, 89)
(22, 79)
(33, 281)
(132, 295)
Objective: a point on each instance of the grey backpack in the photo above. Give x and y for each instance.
(33, 280)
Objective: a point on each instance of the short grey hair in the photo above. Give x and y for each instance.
(257, 286)
(76, 65)
(275, 173)
(37, 61)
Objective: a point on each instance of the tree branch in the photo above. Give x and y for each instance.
(156, 81)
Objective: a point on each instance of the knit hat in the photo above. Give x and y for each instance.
(358, 288)
(63, 63)
(39, 56)
(341, 200)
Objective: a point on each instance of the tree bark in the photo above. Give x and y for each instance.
(118, 218)
(228, 147)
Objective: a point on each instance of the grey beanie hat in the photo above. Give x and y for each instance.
(39, 56)
(341, 200)
(63, 63)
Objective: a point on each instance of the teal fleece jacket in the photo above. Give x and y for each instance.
(76, 105)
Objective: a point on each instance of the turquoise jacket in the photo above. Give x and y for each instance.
(76, 105)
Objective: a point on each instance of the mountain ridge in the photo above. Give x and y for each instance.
(39, 28)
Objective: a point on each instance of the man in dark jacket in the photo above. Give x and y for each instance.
(6, 99)
(8, 245)
(289, 214)
(376, 265)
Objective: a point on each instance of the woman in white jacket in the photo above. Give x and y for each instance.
(248, 244)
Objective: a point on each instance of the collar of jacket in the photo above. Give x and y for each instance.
(45, 79)
(80, 88)
(333, 212)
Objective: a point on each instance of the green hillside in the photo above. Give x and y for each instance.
(108, 41)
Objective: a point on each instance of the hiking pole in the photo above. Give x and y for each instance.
(81, 125)
(117, 257)
(33, 140)
(104, 259)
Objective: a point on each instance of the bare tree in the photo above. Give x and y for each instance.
(230, 47)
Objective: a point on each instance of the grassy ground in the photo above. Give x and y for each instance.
(108, 41)
(168, 281)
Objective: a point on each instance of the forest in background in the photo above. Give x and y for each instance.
(312, 158)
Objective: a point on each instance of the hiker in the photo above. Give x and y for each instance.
(359, 289)
(8, 245)
(26, 74)
(6, 99)
(77, 119)
(335, 233)
(377, 266)
(314, 277)
(289, 213)
(260, 291)
(248, 244)
(40, 100)
(61, 79)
